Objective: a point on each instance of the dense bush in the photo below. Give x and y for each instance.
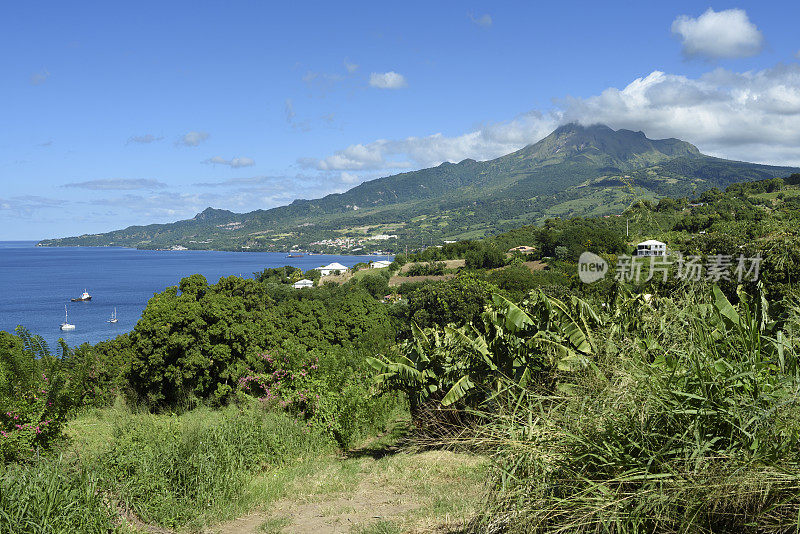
(327, 390)
(433, 268)
(682, 425)
(280, 275)
(485, 257)
(198, 343)
(515, 279)
(376, 283)
(466, 365)
(33, 399)
(460, 301)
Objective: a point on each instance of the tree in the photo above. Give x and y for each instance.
(458, 301)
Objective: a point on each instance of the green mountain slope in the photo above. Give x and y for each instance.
(576, 170)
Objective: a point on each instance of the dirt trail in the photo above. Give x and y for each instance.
(340, 514)
(425, 492)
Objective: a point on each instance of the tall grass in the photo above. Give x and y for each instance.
(691, 425)
(52, 497)
(153, 470)
(171, 471)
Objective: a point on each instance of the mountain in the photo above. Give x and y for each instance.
(575, 171)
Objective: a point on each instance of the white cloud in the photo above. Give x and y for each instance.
(118, 184)
(485, 20)
(38, 78)
(27, 205)
(351, 68)
(253, 180)
(192, 139)
(288, 110)
(234, 163)
(143, 139)
(348, 178)
(166, 206)
(490, 141)
(387, 80)
(718, 34)
(322, 81)
(752, 116)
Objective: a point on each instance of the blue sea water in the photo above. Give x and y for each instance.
(36, 283)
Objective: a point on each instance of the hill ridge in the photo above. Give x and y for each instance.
(576, 170)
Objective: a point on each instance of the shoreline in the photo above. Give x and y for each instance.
(37, 244)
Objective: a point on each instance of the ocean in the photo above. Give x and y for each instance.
(36, 283)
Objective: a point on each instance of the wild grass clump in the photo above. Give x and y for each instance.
(52, 497)
(170, 471)
(690, 422)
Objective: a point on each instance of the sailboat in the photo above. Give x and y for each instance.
(65, 325)
(113, 317)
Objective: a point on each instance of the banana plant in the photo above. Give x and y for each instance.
(511, 343)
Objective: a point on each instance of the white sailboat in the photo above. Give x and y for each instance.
(65, 325)
(113, 317)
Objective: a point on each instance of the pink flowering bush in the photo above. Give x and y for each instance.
(326, 391)
(33, 407)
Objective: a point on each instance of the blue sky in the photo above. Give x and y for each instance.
(116, 114)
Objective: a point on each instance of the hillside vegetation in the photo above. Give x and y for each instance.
(500, 399)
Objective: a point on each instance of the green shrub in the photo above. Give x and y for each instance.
(198, 343)
(33, 400)
(329, 391)
(427, 269)
(459, 301)
(689, 423)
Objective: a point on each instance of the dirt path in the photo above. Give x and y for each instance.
(424, 492)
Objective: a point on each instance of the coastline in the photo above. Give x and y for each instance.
(38, 244)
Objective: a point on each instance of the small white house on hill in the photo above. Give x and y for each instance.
(325, 270)
(300, 284)
(380, 264)
(651, 247)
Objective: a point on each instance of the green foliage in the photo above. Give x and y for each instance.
(199, 343)
(459, 301)
(168, 471)
(469, 364)
(329, 391)
(485, 257)
(688, 423)
(517, 280)
(376, 283)
(33, 399)
(52, 497)
(280, 275)
(567, 239)
(433, 268)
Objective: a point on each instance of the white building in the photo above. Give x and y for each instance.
(651, 247)
(300, 284)
(380, 264)
(325, 270)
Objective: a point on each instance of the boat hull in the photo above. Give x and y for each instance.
(87, 299)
